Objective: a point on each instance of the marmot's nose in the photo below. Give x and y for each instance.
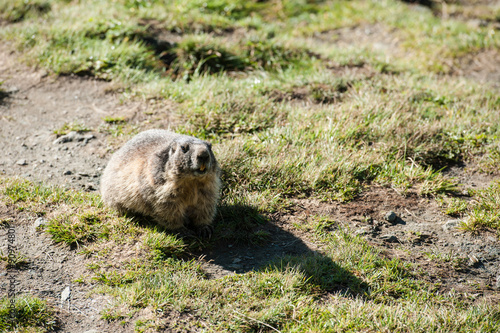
(203, 156)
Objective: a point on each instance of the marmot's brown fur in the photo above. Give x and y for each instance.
(171, 177)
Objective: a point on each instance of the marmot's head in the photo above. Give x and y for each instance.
(190, 156)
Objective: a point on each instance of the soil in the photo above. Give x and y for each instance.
(37, 104)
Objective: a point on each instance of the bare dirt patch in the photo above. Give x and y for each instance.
(483, 66)
(47, 270)
(36, 105)
(374, 37)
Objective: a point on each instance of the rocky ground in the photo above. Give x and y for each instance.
(35, 105)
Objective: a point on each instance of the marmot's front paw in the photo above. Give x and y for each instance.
(206, 231)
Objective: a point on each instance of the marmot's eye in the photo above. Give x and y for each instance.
(184, 148)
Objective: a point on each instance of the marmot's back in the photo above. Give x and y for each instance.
(171, 177)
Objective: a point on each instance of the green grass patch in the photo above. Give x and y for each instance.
(297, 107)
(115, 120)
(482, 211)
(322, 291)
(71, 127)
(18, 10)
(26, 314)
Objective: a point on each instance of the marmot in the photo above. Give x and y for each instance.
(171, 177)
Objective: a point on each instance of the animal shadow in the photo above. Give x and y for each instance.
(245, 241)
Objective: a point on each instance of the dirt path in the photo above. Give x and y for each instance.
(34, 107)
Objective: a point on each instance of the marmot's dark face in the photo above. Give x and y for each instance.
(193, 157)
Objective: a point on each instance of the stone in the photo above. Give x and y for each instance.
(473, 261)
(450, 225)
(22, 162)
(389, 238)
(67, 173)
(391, 217)
(12, 90)
(365, 230)
(66, 293)
(66, 138)
(40, 221)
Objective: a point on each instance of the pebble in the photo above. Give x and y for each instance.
(67, 173)
(473, 261)
(365, 230)
(89, 187)
(450, 225)
(389, 238)
(66, 138)
(12, 90)
(22, 162)
(391, 217)
(40, 221)
(74, 136)
(65, 294)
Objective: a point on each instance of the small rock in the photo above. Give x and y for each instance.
(66, 138)
(497, 284)
(90, 187)
(65, 294)
(421, 238)
(83, 174)
(67, 173)
(450, 225)
(12, 90)
(236, 260)
(389, 238)
(365, 230)
(22, 162)
(473, 261)
(86, 138)
(391, 217)
(40, 221)
(91, 331)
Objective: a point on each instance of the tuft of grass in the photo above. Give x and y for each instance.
(482, 211)
(28, 314)
(164, 246)
(318, 291)
(71, 127)
(115, 120)
(16, 261)
(19, 10)
(78, 230)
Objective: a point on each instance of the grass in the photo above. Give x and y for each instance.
(29, 314)
(322, 291)
(302, 99)
(481, 212)
(72, 127)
